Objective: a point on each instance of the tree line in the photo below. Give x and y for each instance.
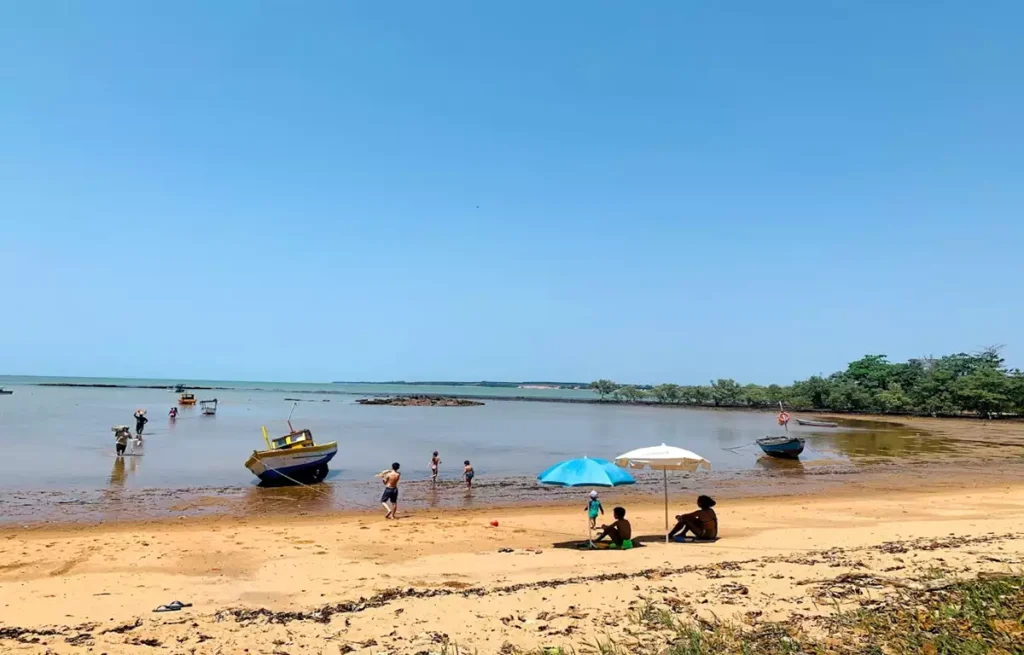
(953, 385)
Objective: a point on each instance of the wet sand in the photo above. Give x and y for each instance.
(269, 580)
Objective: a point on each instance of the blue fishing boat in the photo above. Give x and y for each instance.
(785, 447)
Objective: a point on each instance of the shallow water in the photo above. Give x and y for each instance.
(58, 442)
(59, 437)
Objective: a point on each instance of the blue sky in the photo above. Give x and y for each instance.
(660, 191)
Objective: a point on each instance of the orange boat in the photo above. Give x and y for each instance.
(187, 399)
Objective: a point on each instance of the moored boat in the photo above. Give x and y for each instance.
(295, 457)
(5, 392)
(208, 407)
(786, 447)
(817, 424)
(187, 399)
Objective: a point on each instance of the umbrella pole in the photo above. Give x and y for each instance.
(664, 473)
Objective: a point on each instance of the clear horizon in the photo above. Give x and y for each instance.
(671, 192)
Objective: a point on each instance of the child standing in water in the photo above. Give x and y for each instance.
(468, 474)
(435, 461)
(594, 508)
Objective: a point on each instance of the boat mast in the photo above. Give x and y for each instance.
(290, 428)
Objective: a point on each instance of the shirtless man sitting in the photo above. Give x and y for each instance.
(390, 497)
(619, 531)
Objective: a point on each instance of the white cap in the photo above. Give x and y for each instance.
(593, 494)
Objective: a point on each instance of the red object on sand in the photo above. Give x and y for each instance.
(494, 523)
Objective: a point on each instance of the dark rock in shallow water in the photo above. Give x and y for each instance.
(420, 401)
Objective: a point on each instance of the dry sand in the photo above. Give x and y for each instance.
(356, 583)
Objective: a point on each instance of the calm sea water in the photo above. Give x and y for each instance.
(59, 438)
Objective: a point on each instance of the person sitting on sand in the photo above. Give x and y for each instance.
(620, 531)
(435, 462)
(390, 497)
(468, 474)
(703, 523)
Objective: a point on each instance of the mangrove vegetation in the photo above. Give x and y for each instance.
(962, 384)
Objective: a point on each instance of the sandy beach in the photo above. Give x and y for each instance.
(341, 583)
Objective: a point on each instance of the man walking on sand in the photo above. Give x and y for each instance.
(390, 498)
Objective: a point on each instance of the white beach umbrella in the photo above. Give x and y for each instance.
(663, 458)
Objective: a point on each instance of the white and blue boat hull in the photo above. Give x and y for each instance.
(297, 464)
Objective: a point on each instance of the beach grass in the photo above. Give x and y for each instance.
(984, 616)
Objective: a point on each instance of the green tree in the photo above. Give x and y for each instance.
(725, 392)
(667, 393)
(892, 399)
(755, 395)
(985, 391)
(810, 393)
(629, 393)
(603, 387)
(976, 383)
(701, 395)
(871, 373)
(1016, 390)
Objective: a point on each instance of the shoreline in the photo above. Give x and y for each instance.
(919, 450)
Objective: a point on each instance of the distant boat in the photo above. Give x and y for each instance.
(817, 424)
(291, 458)
(785, 447)
(187, 399)
(208, 407)
(5, 392)
(179, 388)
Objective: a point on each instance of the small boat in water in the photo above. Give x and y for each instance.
(786, 447)
(208, 407)
(5, 392)
(817, 424)
(187, 399)
(179, 388)
(295, 457)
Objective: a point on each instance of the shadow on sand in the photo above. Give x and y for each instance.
(583, 544)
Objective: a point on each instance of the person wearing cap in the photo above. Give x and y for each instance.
(594, 508)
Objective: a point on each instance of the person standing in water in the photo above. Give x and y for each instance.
(435, 462)
(140, 422)
(469, 474)
(390, 497)
(121, 435)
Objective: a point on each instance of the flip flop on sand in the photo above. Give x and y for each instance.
(173, 606)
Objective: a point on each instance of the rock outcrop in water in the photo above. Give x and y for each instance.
(420, 401)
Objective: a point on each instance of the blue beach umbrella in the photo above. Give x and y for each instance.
(585, 472)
